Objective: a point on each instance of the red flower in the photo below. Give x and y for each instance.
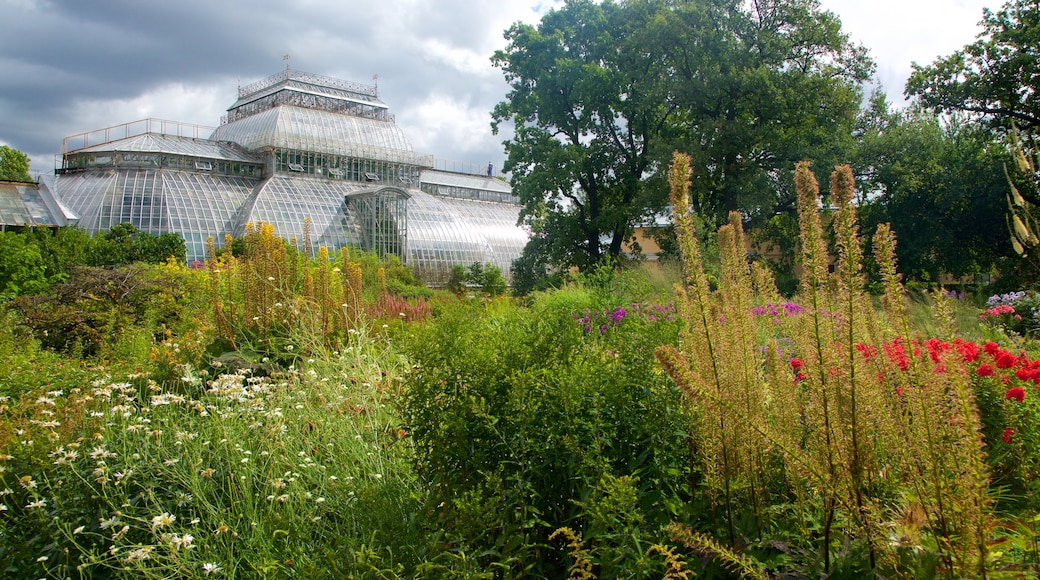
(1007, 435)
(1005, 359)
(984, 370)
(866, 350)
(969, 350)
(1027, 374)
(1016, 393)
(796, 363)
(936, 347)
(897, 353)
(991, 348)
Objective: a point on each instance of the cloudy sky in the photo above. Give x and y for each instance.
(70, 66)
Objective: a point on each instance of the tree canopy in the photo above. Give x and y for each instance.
(14, 165)
(603, 93)
(939, 183)
(996, 78)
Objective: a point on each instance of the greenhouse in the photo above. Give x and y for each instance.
(319, 158)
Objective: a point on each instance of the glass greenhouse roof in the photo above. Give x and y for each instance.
(31, 204)
(466, 180)
(302, 129)
(172, 144)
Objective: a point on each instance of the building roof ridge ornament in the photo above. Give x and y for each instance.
(309, 78)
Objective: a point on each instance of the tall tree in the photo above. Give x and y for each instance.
(585, 104)
(938, 181)
(14, 165)
(602, 93)
(762, 85)
(997, 77)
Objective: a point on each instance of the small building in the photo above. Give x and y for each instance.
(318, 158)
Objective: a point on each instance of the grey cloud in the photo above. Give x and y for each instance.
(60, 56)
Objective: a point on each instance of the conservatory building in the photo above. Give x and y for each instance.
(319, 158)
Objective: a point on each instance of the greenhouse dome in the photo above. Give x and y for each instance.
(319, 158)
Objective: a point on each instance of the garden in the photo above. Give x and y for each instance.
(280, 415)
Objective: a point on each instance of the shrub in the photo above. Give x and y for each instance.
(519, 414)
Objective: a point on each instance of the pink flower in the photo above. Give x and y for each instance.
(1007, 435)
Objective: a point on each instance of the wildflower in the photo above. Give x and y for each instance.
(984, 370)
(210, 568)
(36, 504)
(1016, 393)
(141, 553)
(178, 542)
(27, 482)
(110, 522)
(78, 530)
(162, 520)
(797, 364)
(208, 472)
(1007, 435)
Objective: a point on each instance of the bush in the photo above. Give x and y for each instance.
(519, 414)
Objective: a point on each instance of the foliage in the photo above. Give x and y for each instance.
(996, 77)
(518, 415)
(21, 266)
(125, 244)
(301, 475)
(836, 397)
(1023, 175)
(281, 415)
(96, 308)
(585, 110)
(600, 92)
(14, 165)
(270, 293)
(940, 187)
(35, 259)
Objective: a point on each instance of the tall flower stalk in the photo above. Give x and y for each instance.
(860, 418)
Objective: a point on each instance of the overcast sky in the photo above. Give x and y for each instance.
(70, 66)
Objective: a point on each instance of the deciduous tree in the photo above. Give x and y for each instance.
(603, 93)
(997, 77)
(14, 165)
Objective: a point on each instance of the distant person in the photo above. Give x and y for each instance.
(491, 169)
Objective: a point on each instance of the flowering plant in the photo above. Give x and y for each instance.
(1016, 312)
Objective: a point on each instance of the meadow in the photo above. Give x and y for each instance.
(276, 415)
